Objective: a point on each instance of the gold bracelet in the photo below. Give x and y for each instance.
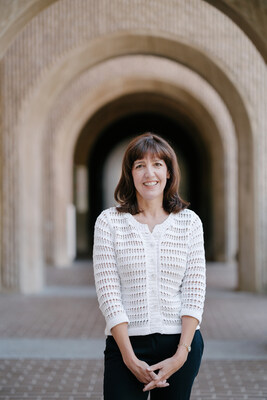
(188, 348)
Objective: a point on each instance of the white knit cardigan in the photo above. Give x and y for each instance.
(149, 280)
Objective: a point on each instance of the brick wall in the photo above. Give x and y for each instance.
(54, 34)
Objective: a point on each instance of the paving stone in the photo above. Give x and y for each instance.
(234, 327)
(43, 316)
(81, 379)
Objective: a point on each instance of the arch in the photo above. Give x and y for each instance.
(90, 54)
(179, 90)
(166, 112)
(243, 24)
(25, 12)
(16, 17)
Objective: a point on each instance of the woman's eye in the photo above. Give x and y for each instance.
(138, 166)
(158, 164)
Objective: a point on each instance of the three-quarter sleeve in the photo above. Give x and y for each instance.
(193, 287)
(107, 280)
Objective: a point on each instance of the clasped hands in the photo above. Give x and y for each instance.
(147, 375)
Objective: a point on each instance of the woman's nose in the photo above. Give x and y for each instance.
(149, 171)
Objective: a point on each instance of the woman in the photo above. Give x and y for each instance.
(149, 268)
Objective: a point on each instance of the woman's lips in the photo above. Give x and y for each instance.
(154, 183)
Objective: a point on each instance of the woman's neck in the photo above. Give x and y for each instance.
(151, 214)
(151, 209)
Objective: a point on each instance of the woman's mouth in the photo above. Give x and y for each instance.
(150, 183)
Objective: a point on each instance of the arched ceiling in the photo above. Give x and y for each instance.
(218, 64)
(249, 15)
(14, 15)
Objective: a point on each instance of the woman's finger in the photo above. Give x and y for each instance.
(154, 367)
(153, 385)
(153, 375)
(162, 384)
(149, 386)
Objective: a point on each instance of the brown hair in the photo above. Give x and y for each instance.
(125, 192)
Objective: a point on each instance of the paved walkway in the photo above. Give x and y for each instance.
(51, 344)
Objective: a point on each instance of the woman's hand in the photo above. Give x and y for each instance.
(136, 366)
(141, 370)
(166, 368)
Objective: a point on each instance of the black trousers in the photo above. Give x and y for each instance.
(121, 384)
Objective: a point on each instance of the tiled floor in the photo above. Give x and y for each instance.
(82, 379)
(51, 344)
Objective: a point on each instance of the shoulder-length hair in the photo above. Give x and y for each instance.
(125, 192)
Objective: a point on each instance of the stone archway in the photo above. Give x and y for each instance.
(163, 116)
(171, 103)
(174, 50)
(176, 100)
(187, 43)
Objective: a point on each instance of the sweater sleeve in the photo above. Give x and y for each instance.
(107, 279)
(194, 282)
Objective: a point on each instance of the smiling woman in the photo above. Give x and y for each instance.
(140, 150)
(149, 267)
(150, 177)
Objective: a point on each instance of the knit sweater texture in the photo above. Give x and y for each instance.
(149, 279)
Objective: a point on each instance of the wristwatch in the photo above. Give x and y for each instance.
(188, 348)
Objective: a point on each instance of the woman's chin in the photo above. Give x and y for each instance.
(149, 196)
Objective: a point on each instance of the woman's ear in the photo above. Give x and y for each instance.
(168, 175)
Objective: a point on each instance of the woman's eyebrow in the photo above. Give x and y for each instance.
(139, 161)
(143, 160)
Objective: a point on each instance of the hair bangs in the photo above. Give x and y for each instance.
(148, 146)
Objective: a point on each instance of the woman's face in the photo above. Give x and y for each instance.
(150, 177)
